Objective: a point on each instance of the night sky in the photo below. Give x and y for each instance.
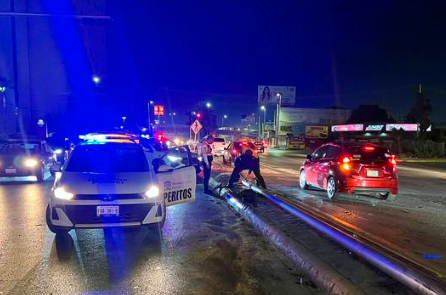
(335, 52)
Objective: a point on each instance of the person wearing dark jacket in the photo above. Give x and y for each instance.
(247, 161)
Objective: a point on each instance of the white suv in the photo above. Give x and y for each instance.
(112, 183)
(218, 147)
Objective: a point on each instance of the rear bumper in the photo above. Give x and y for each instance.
(354, 185)
(20, 172)
(218, 153)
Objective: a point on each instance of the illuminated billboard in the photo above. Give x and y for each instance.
(405, 127)
(350, 127)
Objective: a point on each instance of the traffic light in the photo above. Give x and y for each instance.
(199, 116)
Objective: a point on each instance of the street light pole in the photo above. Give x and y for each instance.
(148, 115)
(279, 95)
(263, 108)
(222, 120)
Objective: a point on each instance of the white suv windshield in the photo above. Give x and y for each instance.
(108, 158)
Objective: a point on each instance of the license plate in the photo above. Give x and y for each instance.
(372, 173)
(107, 211)
(11, 171)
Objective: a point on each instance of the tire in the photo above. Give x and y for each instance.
(55, 229)
(302, 180)
(40, 175)
(332, 187)
(388, 197)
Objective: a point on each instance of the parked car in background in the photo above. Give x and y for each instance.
(351, 168)
(25, 158)
(218, 147)
(236, 149)
(261, 146)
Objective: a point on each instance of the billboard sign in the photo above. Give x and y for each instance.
(374, 127)
(316, 131)
(295, 144)
(350, 127)
(271, 95)
(405, 127)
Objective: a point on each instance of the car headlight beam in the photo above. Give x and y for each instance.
(62, 194)
(152, 193)
(30, 163)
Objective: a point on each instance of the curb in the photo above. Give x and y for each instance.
(422, 160)
(326, 277)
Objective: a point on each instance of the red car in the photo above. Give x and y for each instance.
(351, 169)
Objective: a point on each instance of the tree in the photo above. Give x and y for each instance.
(421, 112)
(370, 114)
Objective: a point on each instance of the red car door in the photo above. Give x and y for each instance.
(326, 164)
(312, 166)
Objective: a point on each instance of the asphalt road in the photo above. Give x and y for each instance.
(413, 225)
(204, 248)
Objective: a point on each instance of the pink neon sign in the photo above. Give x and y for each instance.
(350, 127)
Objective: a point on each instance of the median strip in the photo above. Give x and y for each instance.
(326, 277)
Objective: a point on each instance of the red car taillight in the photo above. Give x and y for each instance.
(392, 160)
(346, 163)
(234, 151)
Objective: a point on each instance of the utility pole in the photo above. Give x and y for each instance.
(15, 66)
(279, 95)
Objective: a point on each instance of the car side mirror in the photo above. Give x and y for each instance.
(309, 157)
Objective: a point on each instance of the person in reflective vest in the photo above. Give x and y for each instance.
(205, 151)
(247, 161)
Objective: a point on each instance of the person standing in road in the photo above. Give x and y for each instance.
(247, 161)
(205, 151)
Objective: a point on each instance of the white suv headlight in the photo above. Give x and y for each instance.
(152, 193)
(31, 163)
(62, 194)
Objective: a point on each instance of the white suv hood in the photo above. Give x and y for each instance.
(97, 183)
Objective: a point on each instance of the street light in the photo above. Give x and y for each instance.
(96, 80)
(42, 123)
(279, 95)
(151, 102)
(208, 105)
(222, 119)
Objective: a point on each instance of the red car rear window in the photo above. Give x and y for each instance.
(362, 154)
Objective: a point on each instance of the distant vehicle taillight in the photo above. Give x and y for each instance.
(369, 148)
(346, 163)
(392, 160)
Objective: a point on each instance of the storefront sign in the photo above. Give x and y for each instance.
(350, 127)
(374, 127)
(405, 127)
